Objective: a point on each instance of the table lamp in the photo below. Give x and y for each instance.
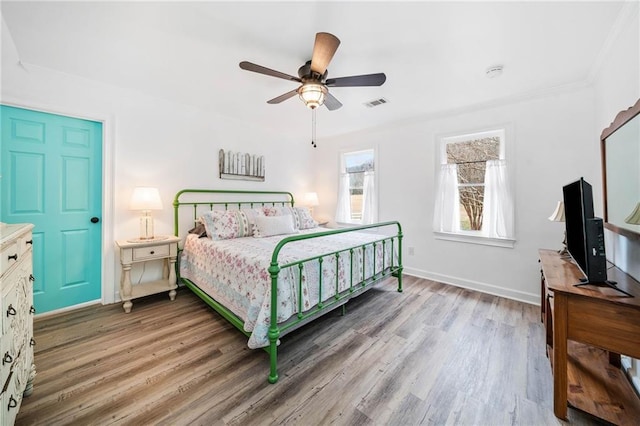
(145, 198)
(311, 200)
(634, 217)
(558, 216)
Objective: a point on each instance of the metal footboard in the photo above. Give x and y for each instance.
(341, 296)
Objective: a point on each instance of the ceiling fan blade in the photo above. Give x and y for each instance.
(357, 80)
(249, 66)
(283, 97)
(323, 50)
(331, 102)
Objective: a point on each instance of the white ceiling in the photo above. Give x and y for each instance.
(434, 54)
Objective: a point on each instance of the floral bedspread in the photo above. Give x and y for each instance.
(234, 272)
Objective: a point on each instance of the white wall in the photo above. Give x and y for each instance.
(553, 142)
(150, 141)
(617, 88)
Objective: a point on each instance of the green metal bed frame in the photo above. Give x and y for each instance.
(276, 330)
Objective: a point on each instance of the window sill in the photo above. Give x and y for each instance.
(475, 239)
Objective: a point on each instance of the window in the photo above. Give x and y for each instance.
(357, 200)
(473, 197)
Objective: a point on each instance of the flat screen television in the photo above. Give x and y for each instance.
(578, 208)
(585, 234)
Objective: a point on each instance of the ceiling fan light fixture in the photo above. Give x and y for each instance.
(312, 94)
(312, 76)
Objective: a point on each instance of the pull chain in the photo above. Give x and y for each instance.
(313, 128)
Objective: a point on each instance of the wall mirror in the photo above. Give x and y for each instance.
(620, 144)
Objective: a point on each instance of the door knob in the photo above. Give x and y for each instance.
(95, 219)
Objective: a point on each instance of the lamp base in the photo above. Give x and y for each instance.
(146, 227)
(563, 251)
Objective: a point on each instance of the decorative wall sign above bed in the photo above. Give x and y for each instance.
(241, 166)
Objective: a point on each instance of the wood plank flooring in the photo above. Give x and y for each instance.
(435, 354)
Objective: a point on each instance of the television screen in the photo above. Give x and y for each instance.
(578, 208)
(585, 235)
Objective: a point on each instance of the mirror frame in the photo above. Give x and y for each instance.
(621, 119)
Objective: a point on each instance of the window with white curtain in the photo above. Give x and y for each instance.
(357, 195)
(473, 198)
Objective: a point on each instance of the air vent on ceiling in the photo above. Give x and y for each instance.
(494, 71)
(376, 102)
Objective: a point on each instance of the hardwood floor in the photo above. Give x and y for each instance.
(435, 354)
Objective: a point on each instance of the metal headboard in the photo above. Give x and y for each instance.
(201, 200)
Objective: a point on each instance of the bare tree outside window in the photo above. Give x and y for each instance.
(471, 157)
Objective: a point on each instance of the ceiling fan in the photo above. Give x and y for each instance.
(313, 76)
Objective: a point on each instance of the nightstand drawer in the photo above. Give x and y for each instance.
(144, 253)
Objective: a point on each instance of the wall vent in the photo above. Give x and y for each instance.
(376, 102)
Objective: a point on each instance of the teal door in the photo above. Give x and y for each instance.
(51, 168)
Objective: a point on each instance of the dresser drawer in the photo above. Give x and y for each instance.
(25, 243)
(13, 251)
(146, 253)
(9, 256)
(11, 400)
(16, 351)
(9, 348)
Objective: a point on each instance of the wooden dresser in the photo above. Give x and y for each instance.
(587, 329)
(16, 347)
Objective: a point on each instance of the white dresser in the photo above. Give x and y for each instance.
(16, 346)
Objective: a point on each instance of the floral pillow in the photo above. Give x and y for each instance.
(303, 218)
(266, 226)
(227, 224)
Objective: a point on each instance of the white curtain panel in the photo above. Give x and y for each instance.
(446, 216)
(497, 221)
(343, 208)
(369, 202)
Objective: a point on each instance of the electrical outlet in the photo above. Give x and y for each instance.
(412, 251)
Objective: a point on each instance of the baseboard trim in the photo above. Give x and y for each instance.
(520, 296)
(68, 308)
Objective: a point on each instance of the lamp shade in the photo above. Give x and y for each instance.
(145, 198)
(311, 199)
(634, 217)
(558, 213)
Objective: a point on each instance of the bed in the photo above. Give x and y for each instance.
(263, 264)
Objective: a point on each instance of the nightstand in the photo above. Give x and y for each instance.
(163, 248)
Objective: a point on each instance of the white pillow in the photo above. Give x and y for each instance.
(266, 226)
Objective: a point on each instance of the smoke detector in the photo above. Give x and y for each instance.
(494, 71)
